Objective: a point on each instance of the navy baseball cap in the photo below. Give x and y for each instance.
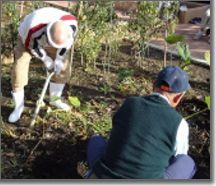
(172, 79)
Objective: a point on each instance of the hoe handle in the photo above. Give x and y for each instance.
(41, 99)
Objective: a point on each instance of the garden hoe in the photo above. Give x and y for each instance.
(40, 101)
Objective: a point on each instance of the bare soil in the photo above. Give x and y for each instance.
(26, 155)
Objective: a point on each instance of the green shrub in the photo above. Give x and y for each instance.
(10, 27)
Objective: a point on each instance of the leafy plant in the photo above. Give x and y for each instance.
(184, 53)
(10, 27)
(174, 38)
(94, 18)
(168, 10)
(88, 45)
(148, 23)
(112, 38)
(35, 5)
(124, 73)
(207, 57)
(182, 47)
(74, 101)
(127, 85)
(105, 89)
(208, 101)
(145, 25)
(102, 125)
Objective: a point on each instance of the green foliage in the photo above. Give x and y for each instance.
(124, 73)
(128, 85)
(207, 57)
(174, 38)
(149, 23)
(9, 27)
(184, 54)
(74, 101)
(54, 98)
(94, 19)
(35, 5)
(172, 26)
(182, 49)
(102, 125)
(147, 18)
(105, 89)
(114, 35)
(7, 130)
(88, 44)
(146, 24)
(208, 101)
(92, 117)
(97, 14)
(170, 11)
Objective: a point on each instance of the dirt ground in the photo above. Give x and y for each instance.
(53, 149)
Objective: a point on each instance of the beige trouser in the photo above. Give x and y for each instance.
(20, 67)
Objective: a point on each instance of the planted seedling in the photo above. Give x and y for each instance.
(127, 85)
(105, 89)
(74, 101)
(184, 53)
(124, 73)
(207, 101)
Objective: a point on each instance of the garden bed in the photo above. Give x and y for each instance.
(110, 64)
(58, 141)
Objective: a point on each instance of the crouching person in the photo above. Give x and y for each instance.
(149, 138)
(47, 34)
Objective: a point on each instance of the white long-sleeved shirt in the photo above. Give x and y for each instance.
(182, 135)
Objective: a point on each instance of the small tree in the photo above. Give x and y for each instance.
(151, 20)
(144, 25)
(94, 23)
(9, 29)
(168, 14)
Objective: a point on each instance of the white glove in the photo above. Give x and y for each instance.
(45, 58)
(48, 62)
(58, 66)
(42, 51)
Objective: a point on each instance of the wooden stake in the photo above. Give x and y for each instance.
(165, 47)
(21, 8)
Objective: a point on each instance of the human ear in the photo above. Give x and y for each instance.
(177, 98)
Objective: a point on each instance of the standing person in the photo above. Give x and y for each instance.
(149, 138)
(47, 34)
(205, 25)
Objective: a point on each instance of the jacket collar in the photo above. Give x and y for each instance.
(162, 96)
